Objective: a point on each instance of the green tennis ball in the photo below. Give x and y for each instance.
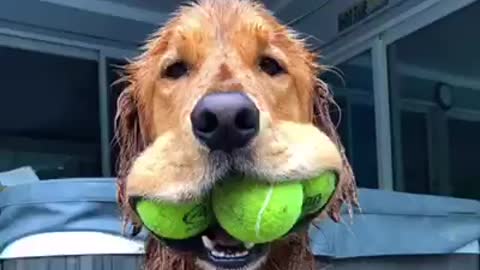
(318, 191)
(257, 212)
(175, 220)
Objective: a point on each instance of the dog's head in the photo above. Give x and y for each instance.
(223, 88)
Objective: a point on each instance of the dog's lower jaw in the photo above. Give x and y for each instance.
(203, 265)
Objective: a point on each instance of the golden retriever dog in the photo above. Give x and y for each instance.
(224, 88)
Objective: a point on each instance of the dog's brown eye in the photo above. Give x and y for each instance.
(176, 70)
(270, 66)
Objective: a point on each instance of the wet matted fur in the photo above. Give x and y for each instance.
(221, 40)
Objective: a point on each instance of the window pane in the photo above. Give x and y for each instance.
(49, 114)
(355, 73)
(340, 119)
(364, 145)
(352, 85)
(114, 71)
(435, 107)
(464, 149)
(415, 151)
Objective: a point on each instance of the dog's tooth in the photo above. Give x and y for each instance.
(219, 254)
(216, 253)
(207, 242)
(242, 254)
(248, 245)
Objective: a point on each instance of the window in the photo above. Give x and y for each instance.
(352, 84)
(49, 114)
(435, 107)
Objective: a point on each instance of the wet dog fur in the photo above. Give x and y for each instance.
(220, 44)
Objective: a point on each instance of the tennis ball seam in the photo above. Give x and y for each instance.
(257, 212)
(268, 198)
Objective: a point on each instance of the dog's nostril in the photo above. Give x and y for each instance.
(208, 122)
(246, 119)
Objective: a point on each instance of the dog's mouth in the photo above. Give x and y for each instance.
(225, 252)
(217, 248)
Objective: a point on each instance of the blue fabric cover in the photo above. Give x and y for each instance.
(393, 223)
(390, 223)
(57, 206)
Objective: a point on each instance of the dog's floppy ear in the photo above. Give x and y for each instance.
(131, 125)
(131, 141)
(346, 191)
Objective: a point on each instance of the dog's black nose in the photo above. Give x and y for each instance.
(225, 121)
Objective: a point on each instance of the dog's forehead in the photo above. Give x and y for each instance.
(220, 20)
